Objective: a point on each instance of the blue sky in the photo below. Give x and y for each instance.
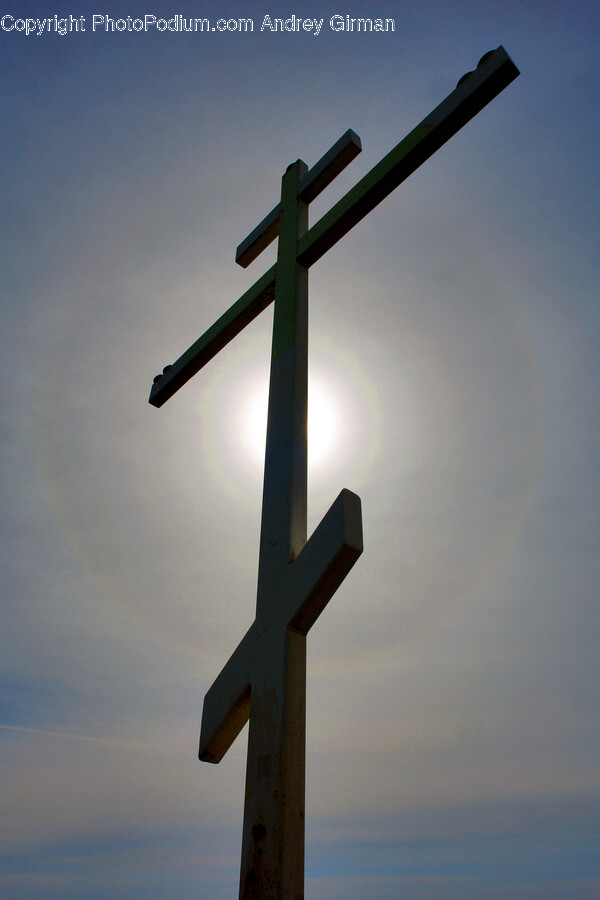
(452, 725)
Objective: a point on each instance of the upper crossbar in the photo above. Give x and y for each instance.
(310, 186)
(474, 91)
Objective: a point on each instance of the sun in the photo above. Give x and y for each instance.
(324, 423)
(344, 422)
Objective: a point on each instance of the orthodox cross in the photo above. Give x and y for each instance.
(265, 678)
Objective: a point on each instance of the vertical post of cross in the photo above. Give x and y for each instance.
(283, 526)
(272, 865)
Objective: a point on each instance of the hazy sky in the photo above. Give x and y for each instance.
(453, 691)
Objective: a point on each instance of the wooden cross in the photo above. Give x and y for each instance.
(265, 678)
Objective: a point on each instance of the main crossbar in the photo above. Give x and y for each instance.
(474, 91)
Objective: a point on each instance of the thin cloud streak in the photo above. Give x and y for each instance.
(64, 735)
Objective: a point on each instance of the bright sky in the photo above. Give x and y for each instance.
(453, 691)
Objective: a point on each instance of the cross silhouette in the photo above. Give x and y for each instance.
(265, 678)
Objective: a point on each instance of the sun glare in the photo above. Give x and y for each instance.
(324, 423)
(344, 423)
